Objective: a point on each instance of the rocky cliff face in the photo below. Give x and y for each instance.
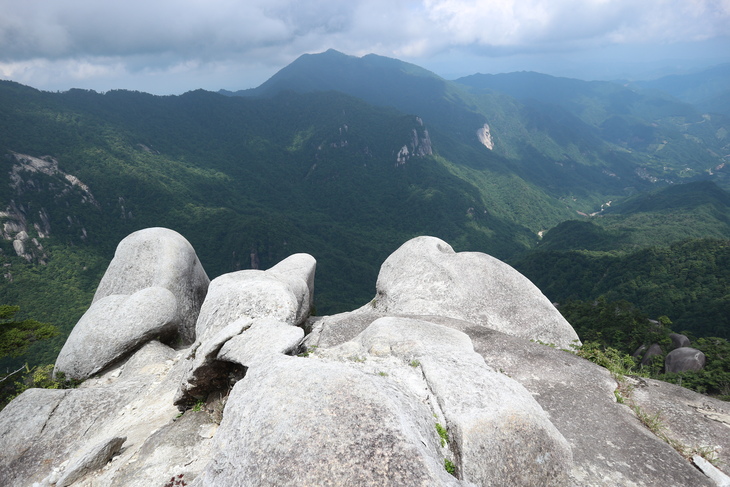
(439, 380)
(25, 223)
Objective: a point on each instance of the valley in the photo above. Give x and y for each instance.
(346, 158)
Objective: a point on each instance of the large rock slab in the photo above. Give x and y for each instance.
(282, 292)
(610, 446)
(696, 421)
(426, 277)
(265, 338)
(301, 421)
(114, 327)
(239, 345)
(90, 460)
(204, 372)
(159, 257)
(46, 434)
(500, 434)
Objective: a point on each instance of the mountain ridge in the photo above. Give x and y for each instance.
(250, 179)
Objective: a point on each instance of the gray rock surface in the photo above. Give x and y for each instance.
(91, 459)
(180, 449)
(679, 340)
(717, 476)
(426, 277)
(492, 418)
(391, 393)
(684, 359)
(698, 422)
(204, 372)
(610, 446)
(42, 430)
(265, 338)
(328, 331)
(654, 351)
(114, 326)
(158, 257)
(282, 292)
(302, 421)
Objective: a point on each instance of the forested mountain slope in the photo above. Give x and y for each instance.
(341, 157)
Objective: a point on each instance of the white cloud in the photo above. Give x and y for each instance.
(77, 40)
(550, 24)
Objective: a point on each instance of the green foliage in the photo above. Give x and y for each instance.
(249, 181)
(618, 363)
(616, 324)
(16, 336)
(688, 280)
(450, 467)
(714, 378)
(443, 434)
(198, 406)
(40, 376)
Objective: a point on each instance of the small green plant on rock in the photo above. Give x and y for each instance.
(619, 364)
(199, 405)
(307, 351)
(443, 434)
(450, 467)
(414, 363)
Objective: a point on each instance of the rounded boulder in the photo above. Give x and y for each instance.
(426, 277)
(159, 257)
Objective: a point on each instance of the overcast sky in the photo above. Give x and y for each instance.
(173, 46)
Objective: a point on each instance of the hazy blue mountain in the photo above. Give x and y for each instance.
(560, 134)
(672, 139)
(708, 89)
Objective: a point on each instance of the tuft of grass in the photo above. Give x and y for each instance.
(620, 365)
(443, 434)
(199, 405)
(307, 352)
(450, 467)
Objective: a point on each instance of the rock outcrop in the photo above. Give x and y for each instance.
(159, 257)
(441, 380)
(425, 277)
(115, 326)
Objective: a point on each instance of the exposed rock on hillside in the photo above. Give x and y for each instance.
(436, 382)
(25, 223)
(485, 136)
(419, 145)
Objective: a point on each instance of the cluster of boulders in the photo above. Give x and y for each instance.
(452, 375)
(682, 357)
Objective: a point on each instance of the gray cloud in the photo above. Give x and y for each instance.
(78, 42)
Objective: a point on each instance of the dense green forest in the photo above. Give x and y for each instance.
(312, 161)
(667, 252)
